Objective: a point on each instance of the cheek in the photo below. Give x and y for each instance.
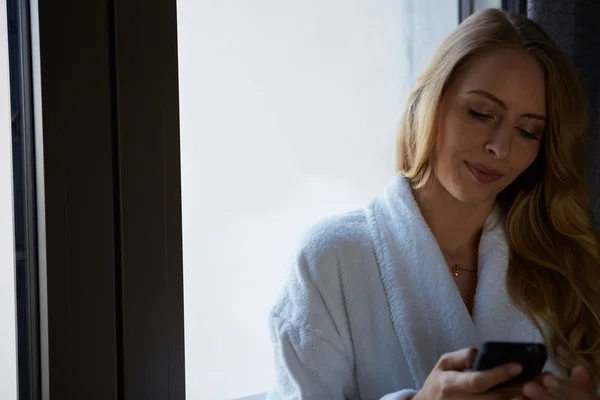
(524, 156)
(440, 148)
(456, 139)
(451, 148)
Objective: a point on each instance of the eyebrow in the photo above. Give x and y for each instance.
(496, 100)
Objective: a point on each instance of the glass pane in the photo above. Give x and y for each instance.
(481, 4)
(8, 348)
(288, 115)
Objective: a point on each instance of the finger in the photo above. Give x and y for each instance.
(510, 392)
(487, 396)
(552, 381)
(484, 396)
(540, 378)
(534, 391)
(566, 388)
(458, 360)
(580, 378)
(482, 381)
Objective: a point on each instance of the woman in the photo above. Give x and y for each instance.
(485, 234)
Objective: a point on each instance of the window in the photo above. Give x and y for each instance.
(25, 223)
(468, 7)
(11, 278)
(481, 4)
(288, 115)
(289, 109)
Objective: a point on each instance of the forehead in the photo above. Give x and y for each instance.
(512, 75)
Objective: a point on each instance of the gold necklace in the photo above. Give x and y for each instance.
(457, 268)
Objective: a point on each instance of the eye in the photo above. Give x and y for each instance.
(480, 116)
(527, 134)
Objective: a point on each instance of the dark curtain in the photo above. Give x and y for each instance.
(575, 26)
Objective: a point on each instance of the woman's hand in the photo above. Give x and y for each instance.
(550, 387)
(449, 380)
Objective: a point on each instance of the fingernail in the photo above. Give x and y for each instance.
(516, 370)
(551, 382)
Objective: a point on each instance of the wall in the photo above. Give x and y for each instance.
(288, 113)
(8, 357)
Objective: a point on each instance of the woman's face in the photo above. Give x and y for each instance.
(490, 124)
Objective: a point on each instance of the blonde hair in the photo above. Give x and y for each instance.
(554, 267)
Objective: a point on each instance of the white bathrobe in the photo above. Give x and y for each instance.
(371, 305)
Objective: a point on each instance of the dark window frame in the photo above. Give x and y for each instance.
(465, 8)
(112, 200)
(516, 6)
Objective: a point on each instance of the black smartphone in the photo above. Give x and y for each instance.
(531, 356)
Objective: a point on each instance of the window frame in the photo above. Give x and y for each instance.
(24, 200)
(516, 6)
(113, 269)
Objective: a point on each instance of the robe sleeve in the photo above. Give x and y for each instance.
(309, 366)
(310, 332)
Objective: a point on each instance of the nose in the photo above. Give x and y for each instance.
(499, 142)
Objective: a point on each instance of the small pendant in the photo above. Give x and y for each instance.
(455, 270)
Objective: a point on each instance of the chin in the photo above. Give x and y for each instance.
(475, 200)
(472, 195)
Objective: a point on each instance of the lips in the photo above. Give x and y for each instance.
(483, 174)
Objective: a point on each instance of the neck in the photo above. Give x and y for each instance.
(456, 226)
